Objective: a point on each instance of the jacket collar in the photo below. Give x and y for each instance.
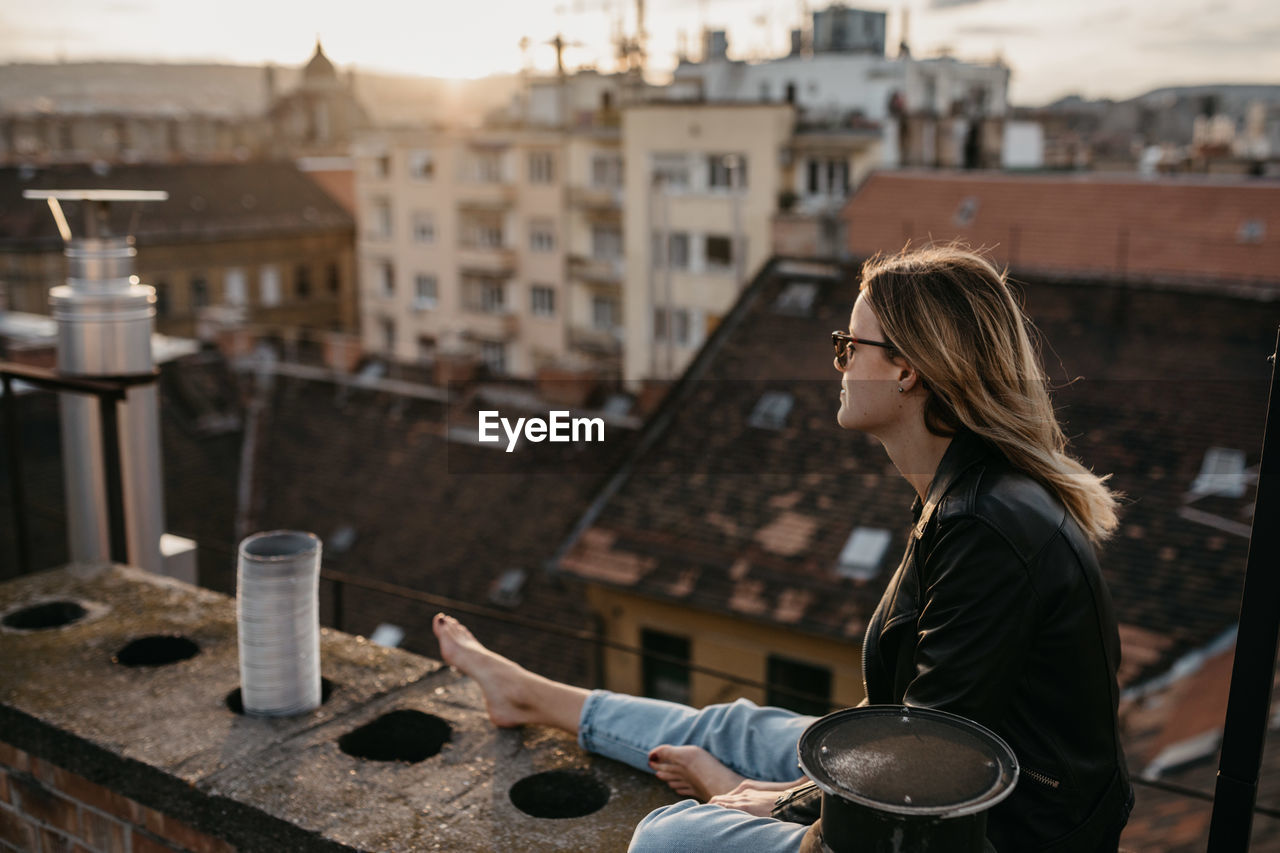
(967, 448)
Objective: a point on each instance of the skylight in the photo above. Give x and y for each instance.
(771, 410)
(387, 635)
(796, 299)
(1184, 754)
(1221, 473)
(1251, 231)
(508, 589)
(862, 554)
(967, 210)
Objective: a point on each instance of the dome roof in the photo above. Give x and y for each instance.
(319, 69)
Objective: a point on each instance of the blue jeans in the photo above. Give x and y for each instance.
(758, 743)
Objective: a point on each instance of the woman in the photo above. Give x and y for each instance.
(998, 611)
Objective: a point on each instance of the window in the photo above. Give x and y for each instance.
(422, 166)
(234, 287)
(726, 171)
(542, 236)
(719, 251)
(771, 410)
(387, 275)
(1222, 472)
(424, 227)
(302, 281)
(333, 279)
(604, 313)
(671, 170)
(796, 299)
(861, 556)
(424, 291)
(541, 167)
(677, 255)
(800, 687)
(382, 166)
(484, 294)
(678, 328)
(487, 166)
(606, 171)
(828, 177)
(388, 334)
(494, 356)
(426, 348)
(199, 291)
(606, 242)
(482, 232)
(381, 219)
(665, 677)
(966, 211)
(269, 286)
(543, 300)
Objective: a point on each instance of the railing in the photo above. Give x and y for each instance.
(109, 391)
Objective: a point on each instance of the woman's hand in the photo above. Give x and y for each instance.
(753, 796)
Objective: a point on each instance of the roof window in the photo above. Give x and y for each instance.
(1251, 231)
(967, 211)
(1221, 473)
(508, 589)
(796, 299)
(387, 635)
(771, 410)
(861, 556)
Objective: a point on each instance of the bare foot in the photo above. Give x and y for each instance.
(504, 683)
(691, 771)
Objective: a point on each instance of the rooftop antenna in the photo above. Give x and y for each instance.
(105, 319)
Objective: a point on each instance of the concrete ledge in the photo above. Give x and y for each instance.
(164, 737)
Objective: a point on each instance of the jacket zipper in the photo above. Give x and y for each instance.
(1041, 778)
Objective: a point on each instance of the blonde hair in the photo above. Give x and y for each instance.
(951, 315)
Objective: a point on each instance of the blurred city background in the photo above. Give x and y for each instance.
(381, 219)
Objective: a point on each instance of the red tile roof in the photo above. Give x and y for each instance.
(1171, 231)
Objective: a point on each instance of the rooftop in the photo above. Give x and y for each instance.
(93, 748)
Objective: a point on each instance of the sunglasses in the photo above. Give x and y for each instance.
(842, 341)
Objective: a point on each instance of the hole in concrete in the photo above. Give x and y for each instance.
(398, 736)
(51, 614)
(156, 650)
(559, 793)
(235, 700)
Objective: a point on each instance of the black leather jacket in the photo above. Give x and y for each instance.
(999, 613)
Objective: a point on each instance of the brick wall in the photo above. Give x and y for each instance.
(47, 809)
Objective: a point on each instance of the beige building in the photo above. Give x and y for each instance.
(500, 245)
(702, 185)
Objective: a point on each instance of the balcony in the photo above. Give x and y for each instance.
(486, 195)
(599, 270)
(593, 341)
(491, 260)
(601, 200)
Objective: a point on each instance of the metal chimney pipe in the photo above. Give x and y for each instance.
(105, 319)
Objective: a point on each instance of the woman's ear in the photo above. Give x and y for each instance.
(908, 378)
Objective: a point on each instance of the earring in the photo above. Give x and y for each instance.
(899, 389)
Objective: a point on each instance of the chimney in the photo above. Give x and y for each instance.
(105, 320)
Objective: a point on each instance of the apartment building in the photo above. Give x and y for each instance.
(459, 246)
(499, 245)
(702, 185)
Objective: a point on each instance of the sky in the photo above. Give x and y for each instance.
(1096, 48)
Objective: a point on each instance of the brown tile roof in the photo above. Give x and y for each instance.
(207, 201)
(1192, 705)
(727, 517)
(428, 513)
(1173, 231)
